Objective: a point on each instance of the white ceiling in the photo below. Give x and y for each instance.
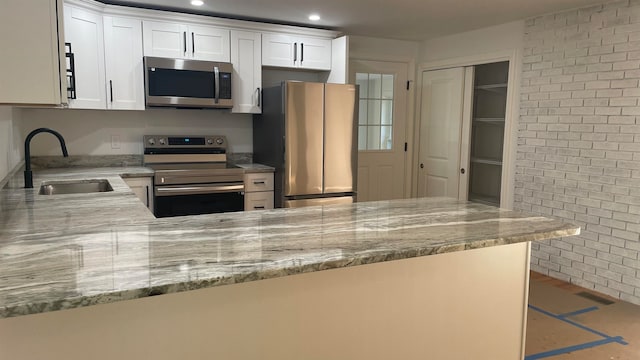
(397, 19)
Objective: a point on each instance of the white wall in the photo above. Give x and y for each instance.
(483, 41)
(10, 140)
(89, 132)
(368, 48)
(578, 144)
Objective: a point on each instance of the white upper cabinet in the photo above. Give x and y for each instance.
(173, 40)
(293, 51)
(209, 43)
(30, 65)
(84, 31)
(123, 60)
(246, 58)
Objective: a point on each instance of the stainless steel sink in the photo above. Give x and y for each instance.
(74, 187)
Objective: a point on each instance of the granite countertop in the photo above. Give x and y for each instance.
(67, 251)
(255, 168)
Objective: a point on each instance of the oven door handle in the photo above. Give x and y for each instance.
(198, 189)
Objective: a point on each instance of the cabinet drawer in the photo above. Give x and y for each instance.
(258, 200)
(258, 182)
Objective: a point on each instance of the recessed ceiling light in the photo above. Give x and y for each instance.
(314, 17)
(197, 2)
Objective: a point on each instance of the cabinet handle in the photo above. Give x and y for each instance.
(258, 183)
(184, 39)
(111, 90)
(462, 171)
(147, 195)
(258, 207)
(259, 96)
(70, 71)
(193, 44)
(295, 52)
(301, 53)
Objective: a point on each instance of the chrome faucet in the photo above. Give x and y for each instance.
(28, 176)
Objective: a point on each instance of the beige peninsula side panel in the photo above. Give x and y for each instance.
(463, 305)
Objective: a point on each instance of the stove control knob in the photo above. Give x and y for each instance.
(151, 141)
(161, 141)
(219, 141)
(209, 142)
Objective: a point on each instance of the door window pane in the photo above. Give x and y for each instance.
(373, 112)
(375, 130)
(387, 86)
(375, 86)
(373, 137)
(363, 81)
(387, 112)
(386, 137)
(362, 137)
(362, 113)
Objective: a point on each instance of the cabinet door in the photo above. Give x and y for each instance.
(314, 53)
(84, 30)
(30, 61)
(123, 58)
(164, 39)
(143, 188)
(246, 57)
(278, 50)
(258, 200)
(208, 43)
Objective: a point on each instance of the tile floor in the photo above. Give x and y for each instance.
(569, 322)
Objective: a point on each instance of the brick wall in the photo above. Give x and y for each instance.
(578, 152)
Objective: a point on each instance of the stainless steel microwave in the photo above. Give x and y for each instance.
(187, 83)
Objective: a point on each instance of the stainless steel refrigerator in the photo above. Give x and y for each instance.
(308, 133)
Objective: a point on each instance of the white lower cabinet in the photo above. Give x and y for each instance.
(123, 61)
(83, 30)
(258, 191)
(143, 188)
(246, 58)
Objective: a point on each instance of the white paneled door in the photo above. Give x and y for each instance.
(381, 128)
(440, 132)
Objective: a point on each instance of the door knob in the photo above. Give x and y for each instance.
(421, 166)
(462, 171)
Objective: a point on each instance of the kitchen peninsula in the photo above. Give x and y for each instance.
(407, 279)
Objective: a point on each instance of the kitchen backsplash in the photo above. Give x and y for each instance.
(59, 161)
(112, 132)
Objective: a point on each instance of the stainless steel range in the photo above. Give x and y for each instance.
(192, 175)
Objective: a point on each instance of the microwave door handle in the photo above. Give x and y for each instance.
(216, 84)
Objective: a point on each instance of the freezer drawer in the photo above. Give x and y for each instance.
(318, 201)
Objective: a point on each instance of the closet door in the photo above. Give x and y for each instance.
(440, 129)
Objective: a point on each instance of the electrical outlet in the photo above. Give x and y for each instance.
(115, 141)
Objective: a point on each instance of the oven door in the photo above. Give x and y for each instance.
(179, 200)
